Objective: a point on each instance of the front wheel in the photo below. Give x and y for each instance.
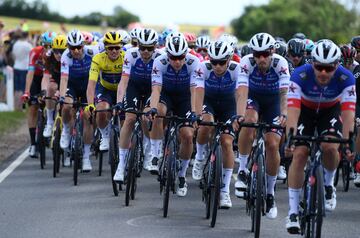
(113, 158)
(216, 184)
(345, 173)
(169, 160)
(258, 185)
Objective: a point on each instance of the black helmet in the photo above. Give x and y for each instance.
(299, 35)
(280, 48)
(355, 42)
(245, 50)
(296, 47)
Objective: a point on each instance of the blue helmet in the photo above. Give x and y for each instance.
(309, 45)
(47, 37)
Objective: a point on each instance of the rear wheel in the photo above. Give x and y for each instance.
(113, 158)
(345, 173)
(57, 151)
(40, 138)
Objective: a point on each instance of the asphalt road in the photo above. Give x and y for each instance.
(33, 204)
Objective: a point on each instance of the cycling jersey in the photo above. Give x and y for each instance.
(52, 67)
(275, 78)
(236, 58)
(109, 70)
(305, 90)
(36, 62)
(193, 52)
(304, 60)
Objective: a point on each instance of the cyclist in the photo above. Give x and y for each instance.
(309, 46)
(321, 95)
(108, 65)
(88, 37)
(280, 48)
(348, 54)
(33, 84)
(299, 35)
(191, 40)
(135, 85)
(245, 50)
(296, 54)
(75, 66)
(217, 81)
(232, 40)
(202, 44)
(268, 77)
(173, 88)
(134, 37)
(355, 42)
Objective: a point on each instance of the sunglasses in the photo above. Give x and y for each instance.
(46, 46)
(327, 67)
(296, 55)
(201, 49)
(57, 52)
(258, 54)
(192, 46)
(173, 57)
(218, 62)
(78, 47)
(111, 48)
(148, 48)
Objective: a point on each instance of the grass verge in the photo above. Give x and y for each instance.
(10, 120)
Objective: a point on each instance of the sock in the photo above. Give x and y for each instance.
(32, 135)
(183, 168)
(294, 197)
(122, 157)
(86, 151)
(227, 173)
(329, 177)
(243, 162)
(146, 142)
(271, 180)
(105, 131)
(50, 116)
(200, 151)
(155, 147)
(66, 127)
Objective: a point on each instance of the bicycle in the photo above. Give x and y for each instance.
(170, 164)
(58, 152)
(211, 181)
(255, 194)
(312, 205)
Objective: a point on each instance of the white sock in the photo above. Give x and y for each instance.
(227, 174)
(329, 177)
(122, 157)
(200, 151)
(243, 162)
(184, 165)
(146, 143)
(50, 114)
(294, 197)
(105, 131)
(156, 147)
(271, 180)
(87, 151)
(66, 127)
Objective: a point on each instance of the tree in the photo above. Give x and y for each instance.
(121, 17)
(317, 19)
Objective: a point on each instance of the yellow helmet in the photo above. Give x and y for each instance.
(59, 42)
(112, 38)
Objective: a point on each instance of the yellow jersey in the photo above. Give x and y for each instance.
(109, 71)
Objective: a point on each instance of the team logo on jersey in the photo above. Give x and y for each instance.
(351, 92)
(163, 61)
(199, 73)
(302, 75)
(134, 54)
(244, 69)
(343, 77)
(283, 70)
(155, 70)
(292, 88)
(63, 64)
(190, 61)
(126, 62)
(232, 66)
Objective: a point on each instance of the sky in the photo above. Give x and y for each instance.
(161, 12)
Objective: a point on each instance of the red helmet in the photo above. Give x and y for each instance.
(347, 52)
(190, 37)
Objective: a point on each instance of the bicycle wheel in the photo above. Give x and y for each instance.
(40, 138)
(336, 177)
(113, 158)
(169, 160)
(137, 171)
(130, 173)
(100, 162)
(345, 174)
(216, 184)
(206, 188)
(77, 152)
(257, 211)
(56, 148)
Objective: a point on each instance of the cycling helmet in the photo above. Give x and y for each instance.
(299, 35)
(326, 52)
(88, 37)
(296, 46)
(147, 36)
(245, 50)
(355, 42)
(75, 38)
(230, 39)
(47, 37)
(203, 42)
(220, 50)
(59, 42)
(112, 38)
(96, 36)
(347, 52)
(176, 45)
(279, 38)
(309, 45)
(126, 38)
(280, 48)
(262, 42)
(134, 33)
(190, 37)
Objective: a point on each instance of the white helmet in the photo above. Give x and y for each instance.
(203, 42)
(326, 52)
(75, 38)
(125, 37)
(148, 36)
(230, 39)
(176, 45)
(220, 50)
(174, 33)
(262, 42)
(134, 33)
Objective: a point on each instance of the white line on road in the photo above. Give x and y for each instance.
(13, 165)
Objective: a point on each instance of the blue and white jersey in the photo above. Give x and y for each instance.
(138, 71)
(269, 83)
(175, 82)
(219, 87)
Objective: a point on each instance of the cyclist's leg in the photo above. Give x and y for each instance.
(146, 133)
(50, 108)
(67, 119)
(227, 139)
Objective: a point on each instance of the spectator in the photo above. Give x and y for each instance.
(20, 52)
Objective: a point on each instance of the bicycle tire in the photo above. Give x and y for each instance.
(259, 195)
(56, 148)
(76, 153)
(101, 154)
(137, 161)
(113, 159)
(206, 188)
(336, 177)
(345, 174)
(40, 138)
(168, 178)
(217, 183)
(130, 173)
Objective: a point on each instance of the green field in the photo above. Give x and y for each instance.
(10, 121)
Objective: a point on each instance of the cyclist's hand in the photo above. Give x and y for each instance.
(57, 94)
(193, 118)
(89, 108)
(25, 97)
(41, 98)
(236, 121)
(119, 106)
(282, 120)
(151, 114)
(350, 156)
(61, 101)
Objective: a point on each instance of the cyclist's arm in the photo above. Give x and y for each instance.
(122, 87)
(31, 71)
(284, 78)
(283, 101)
(64, 73)
(293, 106)
(193, 98)
(45, 81)
(242, 90)
(93, 77)
(348, 104)
(155, 96)
(156, 82)
(347, 117)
